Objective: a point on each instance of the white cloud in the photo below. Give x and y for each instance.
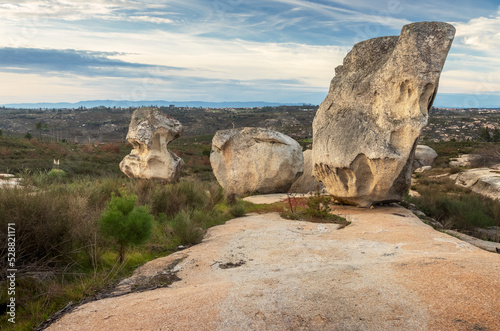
(150, 19)
(482, 33)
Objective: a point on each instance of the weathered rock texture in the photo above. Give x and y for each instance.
(484, 181)
(150, 132)
(385, 271)
(424, 156)
(365, 131)
(307, 183)
(250, 160)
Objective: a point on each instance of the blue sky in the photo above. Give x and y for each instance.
(224, 50)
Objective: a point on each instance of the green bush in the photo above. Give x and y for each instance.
(319, 205)
(125, 222)
(57, 174)
(186, 228)
(462, 211)
(237, 210)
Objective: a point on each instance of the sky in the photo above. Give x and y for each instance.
(225, 50)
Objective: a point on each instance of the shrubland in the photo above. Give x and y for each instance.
(71, 237)
(65, 254)
(453, 206)
(71, 244)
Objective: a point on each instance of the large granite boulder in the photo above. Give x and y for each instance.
(306, 183)
(255, 160)
(365, 131)
(149, 133)
(424, 156)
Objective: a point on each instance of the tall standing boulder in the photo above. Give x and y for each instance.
(365, 131)
(255, 160)
(149, 133)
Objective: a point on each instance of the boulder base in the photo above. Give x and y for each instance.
(307, 183)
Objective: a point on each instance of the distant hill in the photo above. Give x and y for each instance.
(159, 103)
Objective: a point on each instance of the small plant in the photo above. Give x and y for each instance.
(125, 222)
(57, 173)
(28, 136)
(186, 228)
(290, 197)
(237, 210)
(318, 205)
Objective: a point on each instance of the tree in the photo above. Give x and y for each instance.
(496, 135)
(125, 222)
(38, 126)
(28, 136)
(484, 134)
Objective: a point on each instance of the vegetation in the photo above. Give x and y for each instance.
(125, 222)
(69, 233)
(74, 222)
(453, 206)
(316, 209)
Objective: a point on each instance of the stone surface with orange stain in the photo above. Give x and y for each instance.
(385, 271)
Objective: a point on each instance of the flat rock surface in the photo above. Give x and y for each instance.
(385, 271)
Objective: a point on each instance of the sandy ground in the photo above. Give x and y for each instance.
(385, 271)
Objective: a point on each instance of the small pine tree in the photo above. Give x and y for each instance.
(125, 222)
(28, 136)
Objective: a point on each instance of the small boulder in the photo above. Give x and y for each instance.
(422, 169)
(149, 133)
(424, 157)
(463, 160)
(255, 160)
(307, 183)
(365, 132)
(484, 181)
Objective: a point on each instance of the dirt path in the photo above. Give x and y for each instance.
(385, 271)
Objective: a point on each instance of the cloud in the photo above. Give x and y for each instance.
(150, 19)
(70, 61)
(482, 33)
(71, 10)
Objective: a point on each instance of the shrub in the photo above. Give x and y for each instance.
(463, 211)
(57, 173)
(486, 157)
(237, 210)
(170, 199)
(51, 224)
(186, 228)
(125, 222)
(319, 206)
(206, 151)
